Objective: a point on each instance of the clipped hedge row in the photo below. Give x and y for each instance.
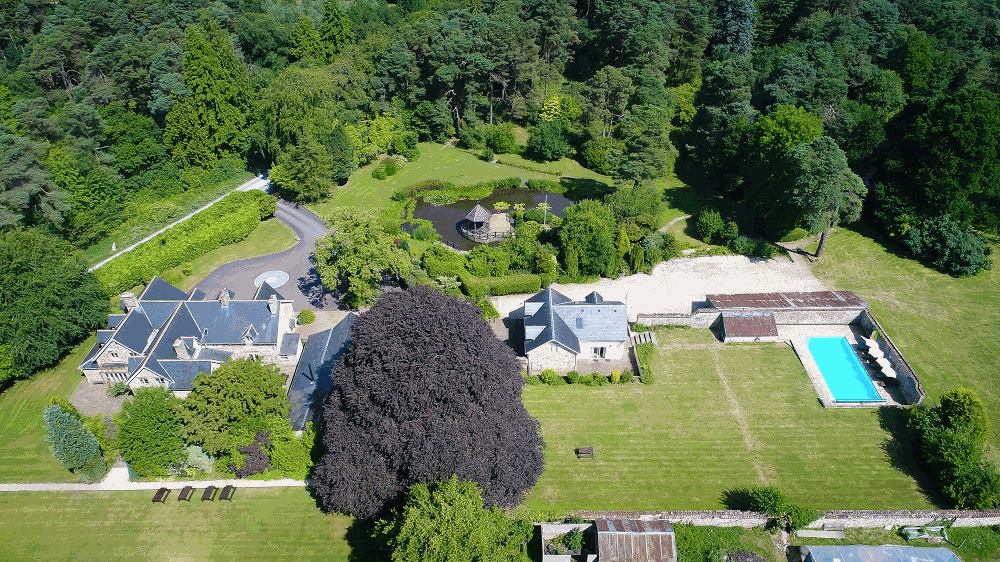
(226, 222)
(510, 284)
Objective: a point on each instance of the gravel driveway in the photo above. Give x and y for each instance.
(303, 285)
(675, 285)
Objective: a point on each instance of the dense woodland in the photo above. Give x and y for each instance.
(793, 114)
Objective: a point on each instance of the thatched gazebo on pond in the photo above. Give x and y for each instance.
(481, 225)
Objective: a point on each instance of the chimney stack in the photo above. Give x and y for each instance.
(272, 304)
(224, 297)
(128, 301)
(181, 350)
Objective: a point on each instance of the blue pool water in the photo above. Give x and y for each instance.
(843, 372)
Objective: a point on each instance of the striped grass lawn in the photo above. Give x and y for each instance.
(24, 454)
(718, 417)
(948, 329)
(259, 524)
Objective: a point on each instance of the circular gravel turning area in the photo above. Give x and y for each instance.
(274, 278)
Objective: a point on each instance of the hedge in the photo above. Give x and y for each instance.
(645, 353)
(510, 284)
(226, 222)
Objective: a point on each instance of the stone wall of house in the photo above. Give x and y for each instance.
(550, 356)
(734, 339)
(909, 384)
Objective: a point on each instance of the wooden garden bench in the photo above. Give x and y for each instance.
(585, 453)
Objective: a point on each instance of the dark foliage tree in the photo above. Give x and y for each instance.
(304, 172)
(342, 153)
(424, 391)
(947, 245)
(48, 300)
(27, 194)
(951, 438)
(149, 433)
(255, 459)
(238, 390)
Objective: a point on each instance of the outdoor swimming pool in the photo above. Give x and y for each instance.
(843, 372)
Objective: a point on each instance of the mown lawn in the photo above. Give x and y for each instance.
(270, 237)
(436, 162)
(277, 524)
(24, 454)
(948, 329)
(718, 417)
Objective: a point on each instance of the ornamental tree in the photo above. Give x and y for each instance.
(357, 256)
(239, 390)
(148, 432)
(447, 522)
(424, 391)
(71, 442)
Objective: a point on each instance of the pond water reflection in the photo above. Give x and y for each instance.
(447, 218)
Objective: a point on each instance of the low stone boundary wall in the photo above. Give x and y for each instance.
(706, 317)
(703, 518)
(870, 519)
(909, 384)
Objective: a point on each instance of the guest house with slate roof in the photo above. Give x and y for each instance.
(559, 331)
(166, 337)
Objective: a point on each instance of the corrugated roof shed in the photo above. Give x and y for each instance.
(747, 325)
(780, 301)
(884, 553)
(635, 540)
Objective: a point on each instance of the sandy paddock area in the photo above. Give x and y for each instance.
(675, 285)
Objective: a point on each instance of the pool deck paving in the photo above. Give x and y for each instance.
(798, 336)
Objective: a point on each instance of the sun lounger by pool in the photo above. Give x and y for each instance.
(875, 353)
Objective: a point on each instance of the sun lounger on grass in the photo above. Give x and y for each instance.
(227, 493)
(161, 495)
(209, 494)
(185, 495)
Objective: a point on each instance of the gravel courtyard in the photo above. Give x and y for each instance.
(675, 284)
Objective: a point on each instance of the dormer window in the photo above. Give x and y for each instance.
(249, 335)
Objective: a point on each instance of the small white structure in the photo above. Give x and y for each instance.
(558, 330)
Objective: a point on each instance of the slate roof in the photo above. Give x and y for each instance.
(265, 291)
(313, 376)
(749, 325)
(551, 316)
(478, 214)
(165, 314)
(884, 553)
(635, 540)
(160, 290)
(225, 324)
(135, 332)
